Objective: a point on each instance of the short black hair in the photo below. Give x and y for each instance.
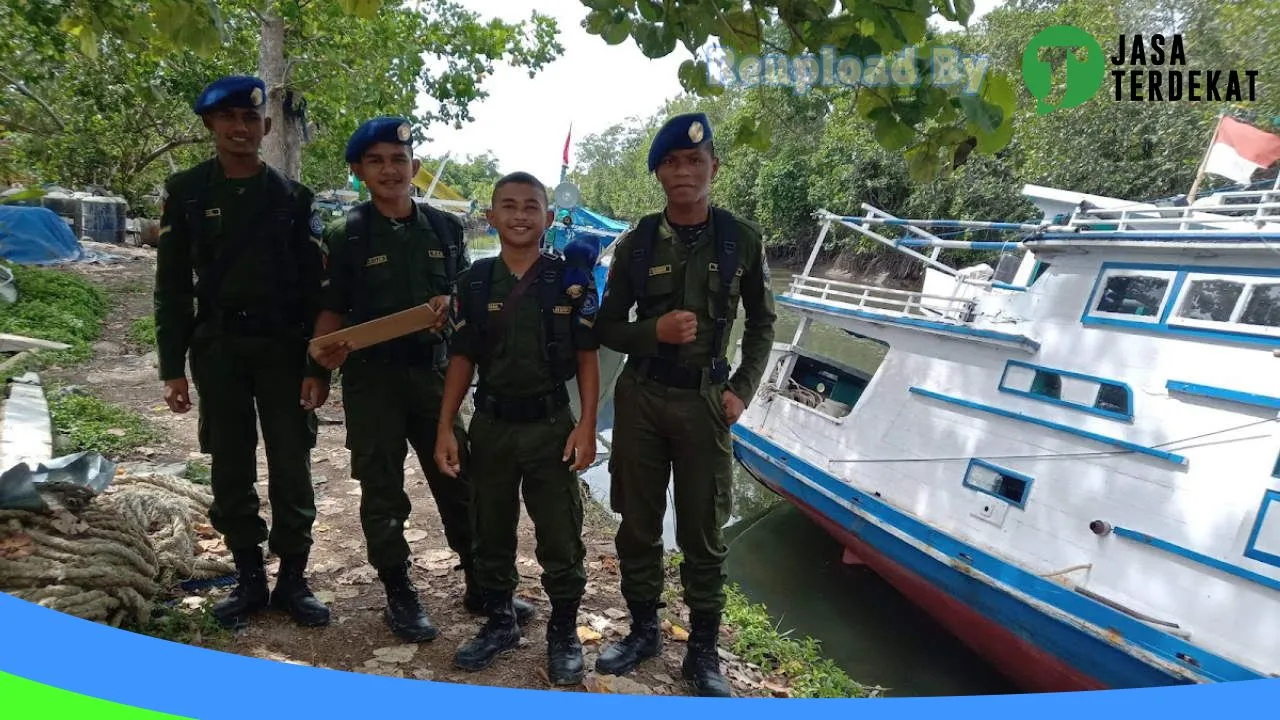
(522, 178)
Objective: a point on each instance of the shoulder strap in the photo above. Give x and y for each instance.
(641, 248)
(478, 291)
(358, 227)
(450, 234)
(726, 238)
(512, 300)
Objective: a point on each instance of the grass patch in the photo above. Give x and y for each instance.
(198, 472)
(92, 424)
(58, 306)
(142, 332)
(757, 640)
(186, 626)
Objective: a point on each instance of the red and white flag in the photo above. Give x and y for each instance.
(1239, 149)
(565, 161)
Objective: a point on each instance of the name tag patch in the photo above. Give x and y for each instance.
(435, 254)
(659, 270)
(495, 306)
(562, 309)
(213, 212)
(715, 267)
(376, 260)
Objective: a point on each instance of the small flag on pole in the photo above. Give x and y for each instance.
(566, 145)
(1239, 149)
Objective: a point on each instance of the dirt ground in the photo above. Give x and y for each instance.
(357, 639)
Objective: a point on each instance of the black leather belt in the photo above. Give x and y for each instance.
(528, 408)
(254, 324)
(665, 372)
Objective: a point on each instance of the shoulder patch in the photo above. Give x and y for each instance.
(589, 304)
(317, 223)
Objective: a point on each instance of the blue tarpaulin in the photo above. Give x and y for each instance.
(36, 236)
(604, 229)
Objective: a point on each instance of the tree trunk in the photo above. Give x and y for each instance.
(282, 147)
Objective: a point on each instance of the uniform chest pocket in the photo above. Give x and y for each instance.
(714, 285)
(659, 286)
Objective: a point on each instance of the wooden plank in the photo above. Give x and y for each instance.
(18, 343)
(381, 330)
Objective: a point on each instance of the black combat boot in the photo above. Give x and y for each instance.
(564, 650)
(473, 601)
(644, 641)
(701, 665)
(293, 596)
(500, 634)
(404, 614)
(250, 594)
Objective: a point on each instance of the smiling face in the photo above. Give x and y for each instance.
(520, 213)
(387, 169)
(237, 131)
(686, 175)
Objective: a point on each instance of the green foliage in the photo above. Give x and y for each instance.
(142, 332)
(55, 305)
(931, 121)
(104, 89)
(90, 423)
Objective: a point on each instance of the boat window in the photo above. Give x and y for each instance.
(1263, 544)
(1229, 302)
(1037, 271)
(1134, 295)
(1095, 395)
(998, 482)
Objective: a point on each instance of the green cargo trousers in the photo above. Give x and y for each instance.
(389, 408)
(658, 431)
(503, 454)
(232, 375)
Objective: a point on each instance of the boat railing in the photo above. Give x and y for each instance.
(881, 299)
(1257, 208)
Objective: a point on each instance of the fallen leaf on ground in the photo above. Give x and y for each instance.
(68, 524)
(615, 685)
(16, 546)
(322, 528)
(326, 596)
(679, 634)
(415, 535)
(205, 530)
(587, 635)
(395, 653)
(362, 575)
(211, 546)
(597, 623)
(664, 678)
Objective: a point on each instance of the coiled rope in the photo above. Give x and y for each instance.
(106, 558)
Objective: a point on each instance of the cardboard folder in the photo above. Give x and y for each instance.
(381, 330)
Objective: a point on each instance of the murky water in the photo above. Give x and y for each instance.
(781, 559)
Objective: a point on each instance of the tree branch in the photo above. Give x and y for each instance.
(160, 151)
(22, 89)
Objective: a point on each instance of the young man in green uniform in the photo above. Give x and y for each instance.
(388, 255)
(685, 269)
(249, 234)
(524, 321)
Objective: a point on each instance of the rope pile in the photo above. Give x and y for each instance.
(106, 558)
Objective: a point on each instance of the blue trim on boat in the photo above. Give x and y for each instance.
(914, 323)
(1106, 661)
(1223, 236)
(1189, 554)
(1160, 324)
(1007, 286)
(1251, 550)
(1027, 481)
(1217, 393)
(1012, 415)
(1110, 414)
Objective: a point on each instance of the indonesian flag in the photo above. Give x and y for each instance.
(1239, 149)
(566, 144)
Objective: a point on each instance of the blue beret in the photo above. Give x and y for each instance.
(380, 129)
(682, 132)
(242, 91)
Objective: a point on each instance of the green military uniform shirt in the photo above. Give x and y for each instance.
(686, 277)
(511, 371)
(403, 266)
(255, 281)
